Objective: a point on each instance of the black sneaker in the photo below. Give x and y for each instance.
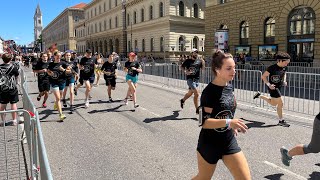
(110, 99)
(256, 95)
(283, 123)
(197, 111)
(71, 109)
(64, 102)
(75, 91)
(181, 103)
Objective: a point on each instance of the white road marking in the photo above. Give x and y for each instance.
(149, 111)
(285, 170)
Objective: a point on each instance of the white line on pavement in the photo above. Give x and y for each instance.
(285, 170)
(149, 111)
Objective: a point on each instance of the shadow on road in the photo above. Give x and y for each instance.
(257, 124)
(115, 109)
(274, 176)
(47, 113)
(172, 117)
(314, 176)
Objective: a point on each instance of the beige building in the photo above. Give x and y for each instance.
(162, 27)
(60, 31)
(261, 27)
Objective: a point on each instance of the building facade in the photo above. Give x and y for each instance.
(161, 28)
(259, 28)
(60, 32)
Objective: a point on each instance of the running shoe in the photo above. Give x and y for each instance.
(44, 105)
(283, 123)
(110, 99)
(75, 91)
(38, 98)
(197, 111)
(125, 101)
(86, 104)
(71, 109)
(136, 105)
(285, 156)
(64, 102)
(256, 95)
(181, 103)
(90, 97)
(55, 106)
(62, 117)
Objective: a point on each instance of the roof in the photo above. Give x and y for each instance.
(79, 6)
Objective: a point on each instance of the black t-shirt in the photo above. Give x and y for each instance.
(222, 101)
(194, 67)
(74, 69)
(58, 76)
(8, 75)
(276, 75)
(88, 65)
(109, 67)
(129, 65)
(42, 76)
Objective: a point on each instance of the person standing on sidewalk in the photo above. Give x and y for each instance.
(43, 78)
(87, 65)
(57, 70)
(109, 69)
(219, 126)
(192, 68)
(277, 79)
(301, 149)
(70, 80)
(133, 68)
(8, 88)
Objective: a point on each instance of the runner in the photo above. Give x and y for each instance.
(87, 64)
(99, 63)
(57, 70)
(219, 126)
(277, 78)
(133, 68)
(192, 67)
(8, 88)
(70, 80)
(43, 78)
(109, 70)
(312, 147)
(75, 59)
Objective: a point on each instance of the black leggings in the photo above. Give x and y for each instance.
(314, 145)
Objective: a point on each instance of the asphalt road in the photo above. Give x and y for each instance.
(158, 140)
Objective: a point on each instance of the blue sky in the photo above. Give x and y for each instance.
(17, 16)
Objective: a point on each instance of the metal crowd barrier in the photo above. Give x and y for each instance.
(39, 167)
(302, 95)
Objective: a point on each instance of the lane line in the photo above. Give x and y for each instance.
(285, 170)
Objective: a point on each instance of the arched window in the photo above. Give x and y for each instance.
(302, 21)
(161, 9)
(151, 13)
(135, 17)
(142, 15)
(244, 32)
(195, 11)
(223, 26)
(161, 44)
(181, 8)
(269, 30)
(181, 43)
(151, 45)
(143, 45)
(195, 42)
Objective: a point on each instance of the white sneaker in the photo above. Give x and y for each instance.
(86, 105)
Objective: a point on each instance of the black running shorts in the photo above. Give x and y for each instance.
(6, 98)
(275, 93)
(213, 145)
(111, 82)
(44, 86)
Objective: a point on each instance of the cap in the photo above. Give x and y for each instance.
(88, 51)
(195, 50)
(132, 54)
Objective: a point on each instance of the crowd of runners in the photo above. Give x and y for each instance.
(62, 73)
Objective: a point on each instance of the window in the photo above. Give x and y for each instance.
(129, 46)
(151, 13)
(244, 32)
(269, 29)
(109, 4)
(302, 21)
(39, 21)
(110, 25)
(181, 43)
(105, 24)
(100, 27)
(135, 45)
(76, 19)
(91, 13)
(95, 11)
(195, 11)
(161, 13)
(222, 1)
(95, 28)
(104, 7)
(223, 26)
(116, 19)
(128, 20)
(161, 44)
(195, 43)
(143, 45)
(181, 8)
(135, 17)
(99, 9)
(115, 3)
(151, 45)
(142, 15)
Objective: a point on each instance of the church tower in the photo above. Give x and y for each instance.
(37, 23)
